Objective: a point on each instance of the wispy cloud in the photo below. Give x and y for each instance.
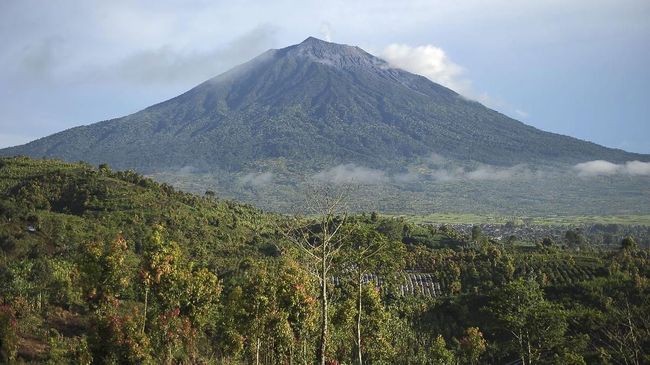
(326, 31)
(352, 174)
(168, 64)
(606, 168)
(436, 159)
(480, 173)
(187, 170)
(405, 178)
(256, 179)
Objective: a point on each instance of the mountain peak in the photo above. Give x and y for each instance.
(312, 40)
(334, 54)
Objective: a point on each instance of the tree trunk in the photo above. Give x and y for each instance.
(359, 319)
(257, 352)
(293, 343)
(146, 302)
(530, 353)
(324, 304)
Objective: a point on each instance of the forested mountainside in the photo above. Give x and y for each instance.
(102, 266)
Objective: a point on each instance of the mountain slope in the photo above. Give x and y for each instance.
(314, 105)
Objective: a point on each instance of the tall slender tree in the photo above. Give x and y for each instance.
(319, 241)
(368, 253)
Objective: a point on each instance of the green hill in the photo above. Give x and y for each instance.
(109, 267)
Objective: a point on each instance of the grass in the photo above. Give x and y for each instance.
(465, 218)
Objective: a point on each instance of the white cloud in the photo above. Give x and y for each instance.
(256, 179)
(431, 62)
(492, 173)
(326, 31)
(606, 168)
(436, 159)
(405, 178)
(187, 170)
(352, 174)
(481, 173)
(637, 168)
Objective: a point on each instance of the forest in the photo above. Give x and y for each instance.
(109, 267)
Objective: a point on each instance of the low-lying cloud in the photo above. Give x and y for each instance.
(256, 179)
(352, 174)
(606, 168)
(481, 173)
(436, 159)
(187, 170)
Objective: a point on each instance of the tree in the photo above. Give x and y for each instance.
(439, 353)
(628, 244)
(269, 309)
(472, 346)
(367, 252)
(627, 331)
(574, 238)
(8, 337)
(536, 325)
(548, 242)
(319, 242)
(186, 297)
(477, 233)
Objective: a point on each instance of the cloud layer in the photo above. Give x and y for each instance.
(480, 173)
(352, 174)
(606, 168)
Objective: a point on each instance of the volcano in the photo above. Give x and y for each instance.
(311, 107)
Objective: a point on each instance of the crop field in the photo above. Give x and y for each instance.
(463, 218)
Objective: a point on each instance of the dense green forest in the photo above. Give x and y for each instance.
(109, 267)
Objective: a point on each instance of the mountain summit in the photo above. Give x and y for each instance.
(315, 104)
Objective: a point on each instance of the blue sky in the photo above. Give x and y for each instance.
(572, 67)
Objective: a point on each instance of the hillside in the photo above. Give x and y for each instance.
(101, 266)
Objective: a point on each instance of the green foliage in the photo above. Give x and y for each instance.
(8, 335)
(471, 346)
(102, 266)
(537, 326)
(439, 353)
(68, 350)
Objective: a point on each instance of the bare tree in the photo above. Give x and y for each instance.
(319, 238)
